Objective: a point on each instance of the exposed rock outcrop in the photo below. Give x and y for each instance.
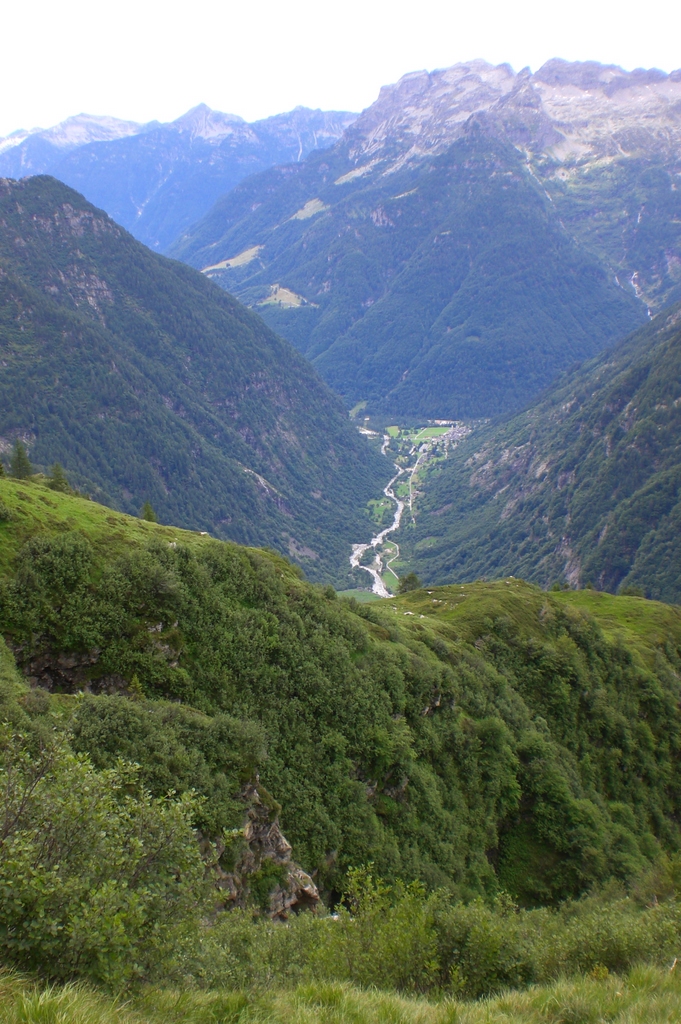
(264, 871)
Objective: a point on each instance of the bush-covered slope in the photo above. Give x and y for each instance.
(581, 487)
(470, 737)
(446, 288)
(150, 384)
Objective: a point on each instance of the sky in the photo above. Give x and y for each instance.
(154, 59)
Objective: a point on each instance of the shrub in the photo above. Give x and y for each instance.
(95, 874)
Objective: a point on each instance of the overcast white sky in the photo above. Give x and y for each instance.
(154, 59)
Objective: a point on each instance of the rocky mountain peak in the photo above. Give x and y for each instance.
(202, 122)
(85, 128)
(590, 74)
(567, 110)
(74, 132)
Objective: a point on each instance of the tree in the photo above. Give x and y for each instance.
(20, 467)
(148, 513)
(2, 469)
(409, 582)
(58, 481)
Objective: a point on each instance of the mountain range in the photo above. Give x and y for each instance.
(582, 488)
(149, 383)
(467, 239)
(157, 179)
(474, 232)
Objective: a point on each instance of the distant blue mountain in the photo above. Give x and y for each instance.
(158, 179)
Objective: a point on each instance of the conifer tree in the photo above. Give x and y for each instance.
(58, 481)
(148, 513)
(20, 467)
(135, 688)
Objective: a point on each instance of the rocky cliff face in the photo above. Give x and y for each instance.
(565, 110)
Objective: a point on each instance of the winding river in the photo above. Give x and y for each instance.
(358, 550)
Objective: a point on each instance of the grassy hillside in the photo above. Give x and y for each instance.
(148, 383)
(447, 287)
(476, 737)
(581, 487)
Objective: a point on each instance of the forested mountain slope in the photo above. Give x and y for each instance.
(583, 486)
(473, 233)
(158, 179)
(150, 384)
(472, 737)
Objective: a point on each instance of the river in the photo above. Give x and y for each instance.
(358, 550)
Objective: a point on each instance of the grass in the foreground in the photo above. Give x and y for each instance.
(646, 996)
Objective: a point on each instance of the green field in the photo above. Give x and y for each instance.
(430, 432)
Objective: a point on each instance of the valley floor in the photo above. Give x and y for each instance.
(412, 450)
(646, 996)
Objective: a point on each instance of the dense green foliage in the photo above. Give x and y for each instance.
(409, 582)
(58, 480)
(448, 287)
(399, 938)
(176, 750)
(485, 744)
(497, 736)
(581, 487)
(101, 881)
(20, 465)
(94, 872)
(148, 383)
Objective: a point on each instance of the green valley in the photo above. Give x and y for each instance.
(340, 630)
(150, 384)
(447, 289)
